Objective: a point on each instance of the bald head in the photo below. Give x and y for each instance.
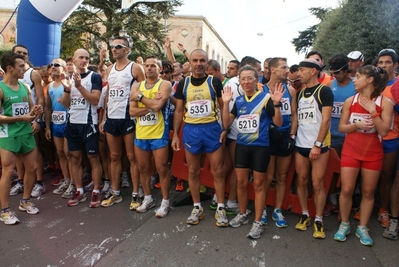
(198, 63)
(81, 60)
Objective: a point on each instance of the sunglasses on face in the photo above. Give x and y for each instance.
(165, 72)
(118, 46)
(294, 80)
(56, 65)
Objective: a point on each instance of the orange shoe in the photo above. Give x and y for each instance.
(383, 217)
(157, 185)
(357, 214)
(179, 185)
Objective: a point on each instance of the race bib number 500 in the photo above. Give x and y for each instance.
(20, 109)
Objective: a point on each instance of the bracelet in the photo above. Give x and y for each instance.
(278, 105)
(184, 51)
(68, 92)
(375, 115)
(47, 129)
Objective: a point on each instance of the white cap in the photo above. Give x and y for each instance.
(356, 55)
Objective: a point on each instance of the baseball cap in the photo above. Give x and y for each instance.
(356, 55)
(389, 52)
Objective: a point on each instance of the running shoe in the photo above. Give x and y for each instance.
(196, 215)
(57, 180)
(28, 206)
(318, 230)
(125, 180)
(95, 200)
(383, 217)
(16, 189)
(77, 198)
(61, 188)
(145, 205)
(303, 223)
(135, 203)
(343, 230)
(9, 217)
(106, 187)
(256, 230)
(221, 217)
(356, 217)
(90, 186)
(213, 205)
(111, 200)
(278, 217)
(232, 208)
(391, 232)
(38, 190)
(330, 209)
(162, 211)
(157, 185)
(363, 234)
(263, 219)
(70, 192)
(179, 185)
(239, 220)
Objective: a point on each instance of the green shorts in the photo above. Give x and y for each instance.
(19, 144)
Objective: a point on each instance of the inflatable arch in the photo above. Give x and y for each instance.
(39, 27)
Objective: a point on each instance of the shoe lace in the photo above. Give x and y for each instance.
(280, 216)
(319, 226)
(384, 216)
(364, 232)
(303, 218)
(393, 226)
(342, 229)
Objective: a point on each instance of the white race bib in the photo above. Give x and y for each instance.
(78, 101)
(20, 109)
(117, 93)
(199, 108)
(149, 119)
(337, 109)
(356, 117)
(248, 123)
(285, 108)
(307, 115)
(58, 117)
(3, 130)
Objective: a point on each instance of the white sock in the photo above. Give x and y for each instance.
(148, 198)
(197, 204)
(318, 219)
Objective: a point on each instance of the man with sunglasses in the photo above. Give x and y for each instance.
(388, 60)
(294, 79)
(117, 124)
(81, 95)
(342, 88)
(34, 80)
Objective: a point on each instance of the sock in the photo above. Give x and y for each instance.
(165, 202)
(305, 212)
(220, 205)
(5, 209)
(80, 190)
(257, 222)
(67, 180)
(117, 192)
(197, 204)
(345, 223)
(318, 219)
(24, 200)
(135, 194)
(148, 198)
(333, 199)
(231, 203)
(97, 191)
(215, 198)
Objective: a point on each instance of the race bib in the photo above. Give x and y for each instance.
(337, 109)
(248, 123)
(307, 115)
(285, 108)
(117, 94)
(3, 130)
(199, 108)
(58, 117)
(149, 119)
(20, 109)
(356, 117)
(78, 101)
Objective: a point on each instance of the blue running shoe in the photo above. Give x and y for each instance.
(278, 217)
(343, 230)
(363, 233)
(263, 220)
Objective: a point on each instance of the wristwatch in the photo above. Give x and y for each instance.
(139, 97)
(318, 144)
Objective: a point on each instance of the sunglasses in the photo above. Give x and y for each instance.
(165, 72)
(294, 80)
(56, 65)
(118, 46)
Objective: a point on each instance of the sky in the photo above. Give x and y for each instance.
(258, 28)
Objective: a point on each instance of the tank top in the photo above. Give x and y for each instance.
(360, 144)
(15, 104)
(309, 119)
(341, 93)
(394, 128)
(153, 125)
(200, 103)
(237, 91)
(285, 108)
(59, 113)
(28, 80)
(119, 82)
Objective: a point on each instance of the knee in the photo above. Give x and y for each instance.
(241, 184)
(162, 169)
(115, 157)
(194, 173)
(318, 184)
(258, 186)
(368, 194)
(302, 182)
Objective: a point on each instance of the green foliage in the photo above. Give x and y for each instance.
(99, 20)
(4, 49)
(364, 25)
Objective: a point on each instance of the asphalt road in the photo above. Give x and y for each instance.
(80, 236)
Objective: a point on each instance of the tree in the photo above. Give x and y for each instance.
(306, 38)
(98, 20)
(364, 25)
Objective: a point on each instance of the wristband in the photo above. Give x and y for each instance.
(68, 92)
(184, 51)
(47, 129)
(375, 115)
(278, 105)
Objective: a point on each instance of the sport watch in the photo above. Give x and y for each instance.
(139, 97)
(318, 144)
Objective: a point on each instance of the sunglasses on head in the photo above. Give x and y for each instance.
(56, 65)
(118, 46)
